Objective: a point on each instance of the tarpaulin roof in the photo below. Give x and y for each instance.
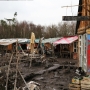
(28, 41)
(66, 40)
(7, 41)
(36, 40)
(24, 40)
(50, 40)
(10, 41)
(88, 37)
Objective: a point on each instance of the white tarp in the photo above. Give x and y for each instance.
(6, 42)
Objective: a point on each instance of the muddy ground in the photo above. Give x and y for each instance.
(52, 74)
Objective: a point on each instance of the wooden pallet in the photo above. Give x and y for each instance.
(75, 81)
(85, 89)
(85, 86)
(85, 83)
(74, 87)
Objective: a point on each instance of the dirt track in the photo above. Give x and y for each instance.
(48, 76)
(54, 79)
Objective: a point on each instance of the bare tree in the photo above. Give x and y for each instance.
(23, 29)
(66, 29)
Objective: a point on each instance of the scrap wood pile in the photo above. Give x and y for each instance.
(8, 74)
(80, 82)
(75, 84)
(11, 77)
(20, 85)
(85, 83)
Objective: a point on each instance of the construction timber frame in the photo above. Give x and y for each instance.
(76, 18)
(83, 17)
(83, 26)
(83, 32)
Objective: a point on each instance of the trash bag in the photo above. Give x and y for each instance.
(80, 71)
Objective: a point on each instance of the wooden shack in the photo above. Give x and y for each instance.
(83, 30)
(68, 46)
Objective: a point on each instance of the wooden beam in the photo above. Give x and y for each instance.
(76, 18)
(76, 5)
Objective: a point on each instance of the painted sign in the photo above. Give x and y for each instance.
(88, 53)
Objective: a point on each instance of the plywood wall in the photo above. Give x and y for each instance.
(85, 12)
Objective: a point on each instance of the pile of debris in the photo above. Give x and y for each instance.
(85, 83)
(81, 81)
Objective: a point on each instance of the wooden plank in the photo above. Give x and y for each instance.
(54, 67)
(87, 82)
(76, 18)
(84, 89)
(71, 88)
(74, 85)
(85, 86)
(86, 78)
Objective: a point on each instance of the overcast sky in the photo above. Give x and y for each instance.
(43, 12)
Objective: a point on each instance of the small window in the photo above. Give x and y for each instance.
(75, 50)
(75, 47)
(80, 37)
(80, 50)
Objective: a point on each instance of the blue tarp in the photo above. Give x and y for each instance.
(88, 37)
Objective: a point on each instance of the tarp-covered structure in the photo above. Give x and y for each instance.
(51, 40)
(66, 40)
(6, 42)
(10, 43)
(67, 45)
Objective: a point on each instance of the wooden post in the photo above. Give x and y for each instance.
(8, 71)
(16, 74)
(23, 79)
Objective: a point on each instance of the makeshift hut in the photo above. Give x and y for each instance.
(48, 45)
(68, 46)
(83, 30)
(23, 43)
(9, 45)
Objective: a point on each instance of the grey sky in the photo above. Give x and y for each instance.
(44, 12)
